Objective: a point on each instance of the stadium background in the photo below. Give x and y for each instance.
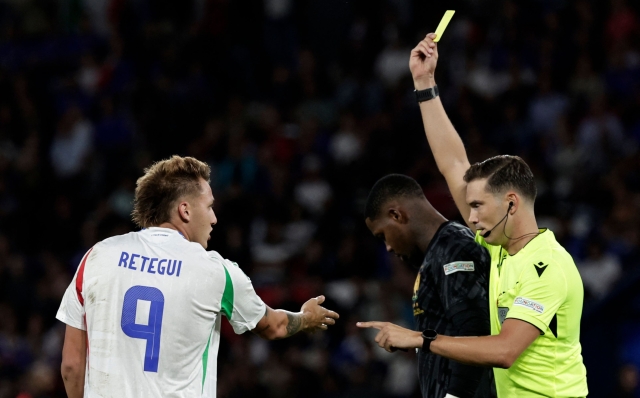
(299, 107)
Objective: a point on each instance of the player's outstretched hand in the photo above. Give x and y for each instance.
(316, 316)
(392, 337)
(422, 63)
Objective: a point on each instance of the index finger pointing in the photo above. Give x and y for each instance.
(375, 325)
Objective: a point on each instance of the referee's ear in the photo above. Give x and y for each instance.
(513, 200)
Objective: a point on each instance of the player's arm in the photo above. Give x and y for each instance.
(249, 312)
(280, 324)
(499, 351)
(446, 145)
(74, 357)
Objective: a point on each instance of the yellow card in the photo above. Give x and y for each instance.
(443, 24)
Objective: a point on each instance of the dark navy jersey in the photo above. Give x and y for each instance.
(451, 297)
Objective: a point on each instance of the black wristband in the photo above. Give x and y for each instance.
(427, 94)
(427, 337)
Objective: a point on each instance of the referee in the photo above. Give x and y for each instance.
(450, 293)
(535, 290)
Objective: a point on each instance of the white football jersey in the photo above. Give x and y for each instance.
(151, 302)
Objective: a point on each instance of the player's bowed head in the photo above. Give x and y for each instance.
(398, 213)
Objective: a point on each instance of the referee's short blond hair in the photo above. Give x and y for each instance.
(162, 184)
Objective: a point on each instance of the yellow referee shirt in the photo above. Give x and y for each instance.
(540, 285)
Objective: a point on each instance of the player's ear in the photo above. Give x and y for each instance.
(184, 211)
(393, 214)
(397, 215)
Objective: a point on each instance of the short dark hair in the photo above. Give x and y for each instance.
(504, 172)
(390, 187)
(162, 184)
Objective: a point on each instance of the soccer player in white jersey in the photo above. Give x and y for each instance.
(143, 310)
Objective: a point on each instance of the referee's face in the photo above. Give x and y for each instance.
(487, 211)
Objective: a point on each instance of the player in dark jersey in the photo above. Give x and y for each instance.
(450, 294)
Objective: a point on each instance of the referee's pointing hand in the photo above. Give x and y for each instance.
(392, 337)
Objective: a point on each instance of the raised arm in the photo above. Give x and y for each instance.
(280, 324)
(446, 145)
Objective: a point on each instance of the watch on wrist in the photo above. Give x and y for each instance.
(428, 335)
(427, 94)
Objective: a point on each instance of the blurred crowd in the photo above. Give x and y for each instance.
(299, 107)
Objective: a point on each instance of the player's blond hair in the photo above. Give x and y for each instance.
(162, 184)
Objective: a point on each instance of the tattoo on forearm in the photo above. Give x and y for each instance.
(295, 323)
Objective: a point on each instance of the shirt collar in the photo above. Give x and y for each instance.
(162, 229)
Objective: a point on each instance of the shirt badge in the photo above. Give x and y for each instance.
(466, 266)
(533, 305)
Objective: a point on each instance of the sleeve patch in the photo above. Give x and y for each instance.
(456, 266)
(533, 305)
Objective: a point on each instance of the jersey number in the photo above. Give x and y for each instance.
(149, 331)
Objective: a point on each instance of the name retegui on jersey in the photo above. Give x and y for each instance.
(162, 266)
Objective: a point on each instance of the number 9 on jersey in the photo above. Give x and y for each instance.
(150, 331)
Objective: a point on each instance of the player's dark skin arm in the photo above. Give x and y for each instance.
(74, 356)
(280, 324)
(499, 351)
